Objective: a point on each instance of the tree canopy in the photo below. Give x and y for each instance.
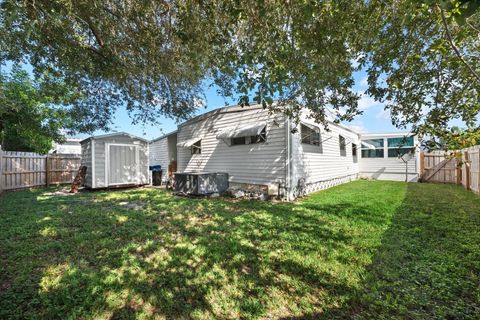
(36, 112)
(156, 56)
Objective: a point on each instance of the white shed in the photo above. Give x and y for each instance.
(115, 159)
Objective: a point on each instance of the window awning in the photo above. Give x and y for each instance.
(188, 143)
(368, 146)
(311, 126)
(243, 131)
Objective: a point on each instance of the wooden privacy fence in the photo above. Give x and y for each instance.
(20, 170)
(440, 167)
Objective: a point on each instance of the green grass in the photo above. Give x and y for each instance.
(365, 250)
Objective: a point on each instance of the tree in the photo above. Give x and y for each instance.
(155, 56)
(454, 139)
(424, 62)
(34, 113)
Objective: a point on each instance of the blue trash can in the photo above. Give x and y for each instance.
(156, 175)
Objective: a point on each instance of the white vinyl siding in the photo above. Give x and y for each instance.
(87, 161)
(388, 168)
(260, 163)
(323, 162)
(162, 152)
(99, 157)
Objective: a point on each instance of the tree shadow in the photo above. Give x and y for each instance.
(89, 257)
(427, 266)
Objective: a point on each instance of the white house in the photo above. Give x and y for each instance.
(390, 156)
(163, 152)
(268, 151)
(70, 146)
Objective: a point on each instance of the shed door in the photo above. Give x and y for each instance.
(123, 163)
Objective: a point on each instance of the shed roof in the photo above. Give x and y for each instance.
(113, 134)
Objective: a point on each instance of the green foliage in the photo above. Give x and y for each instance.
(156, 56)
(424, 63)
(422, 56)
(454, 139)
(363, 250)
(34, 113)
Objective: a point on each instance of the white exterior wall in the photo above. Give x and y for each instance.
(71, 146)
(262, 163)
(159, 153)
(95, 159)
(323, 166)
(389, 168)
(86, 151)
(162, 152)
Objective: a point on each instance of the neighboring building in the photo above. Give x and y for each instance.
(383, 156)
(70, 146)
(115, 159)
(258, 150)
(163, 152)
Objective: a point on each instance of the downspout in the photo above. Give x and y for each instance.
(288, 158)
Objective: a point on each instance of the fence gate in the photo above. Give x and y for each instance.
(438, 167)
(19, 170)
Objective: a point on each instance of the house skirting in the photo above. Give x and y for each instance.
(325, 184)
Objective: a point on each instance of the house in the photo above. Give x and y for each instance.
(114, 160)
(163, 152)
(271, 154)
(70, 146)
(390, 156)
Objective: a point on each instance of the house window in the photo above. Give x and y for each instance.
(354, 150)
(397, 147)
(238, 141)
(309, 135)
(259, 138)
(343, 146)
(197, 147)
(372, 148)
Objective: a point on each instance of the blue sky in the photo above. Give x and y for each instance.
(374, 118)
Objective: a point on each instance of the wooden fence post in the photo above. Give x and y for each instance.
(478, 180)
(422, 164)
(467, 171)
(47, 169)
(458, 171)
(1, 169)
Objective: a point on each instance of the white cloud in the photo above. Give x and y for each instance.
(364, 82)
(357, 126)
(366, 102)
(383, 115)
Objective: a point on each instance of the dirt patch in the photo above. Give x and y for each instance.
(133, 205)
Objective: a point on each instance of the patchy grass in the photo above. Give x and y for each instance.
(366, 249)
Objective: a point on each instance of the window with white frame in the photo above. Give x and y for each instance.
(196, 148)
(372, 148)
(310, 134)
(397, 147)
(343, 145)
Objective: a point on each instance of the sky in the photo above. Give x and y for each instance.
(373, 120)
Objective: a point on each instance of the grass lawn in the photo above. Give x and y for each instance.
(367, 249)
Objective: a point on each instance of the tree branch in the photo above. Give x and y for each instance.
(457, 52)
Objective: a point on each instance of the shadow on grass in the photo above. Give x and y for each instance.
(87, 256)
(428, 263)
